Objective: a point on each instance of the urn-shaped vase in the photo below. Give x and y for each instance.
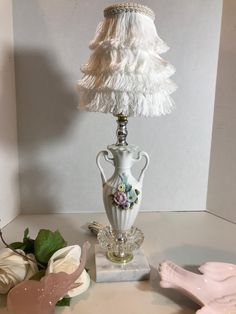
(122, 192)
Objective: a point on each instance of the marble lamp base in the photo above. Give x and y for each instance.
(107, 271)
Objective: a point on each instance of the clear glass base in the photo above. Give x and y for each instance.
(120, 245)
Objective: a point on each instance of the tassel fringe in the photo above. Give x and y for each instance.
(128, 104)
(125, 73)
(125, 60)
(127, 83)
(131, 30)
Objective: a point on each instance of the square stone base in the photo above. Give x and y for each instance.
(107, 271)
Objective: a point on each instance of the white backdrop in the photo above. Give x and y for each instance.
(58, 144)
(9, 192)
(222, 175)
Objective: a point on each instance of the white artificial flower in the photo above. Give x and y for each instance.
(14, 269)
(67, 260)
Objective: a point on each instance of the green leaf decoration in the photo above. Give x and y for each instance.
(128, 187)
(64, 302)
(46, 244)
(137, 192)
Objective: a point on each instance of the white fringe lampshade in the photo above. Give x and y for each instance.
(125, 74)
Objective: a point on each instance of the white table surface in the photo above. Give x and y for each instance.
(187, 238)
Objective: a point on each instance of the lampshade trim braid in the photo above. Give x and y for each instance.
(128, 7)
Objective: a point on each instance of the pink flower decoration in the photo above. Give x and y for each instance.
(120, 198)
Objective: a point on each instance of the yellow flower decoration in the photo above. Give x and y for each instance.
(121, 187)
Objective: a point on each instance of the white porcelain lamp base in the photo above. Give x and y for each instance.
(106, 271)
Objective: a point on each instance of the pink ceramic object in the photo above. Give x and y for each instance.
(214, 289)
(218, 271)
(40, 297)
(224, 305)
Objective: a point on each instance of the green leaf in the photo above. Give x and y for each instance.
(29, 243)
(17, 245)
(64, 302)
(26, 234)
(29, 246)
(46, 244)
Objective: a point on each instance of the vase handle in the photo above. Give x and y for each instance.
(147, 159)
(103, 153)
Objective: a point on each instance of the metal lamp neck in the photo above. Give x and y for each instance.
(121, 131)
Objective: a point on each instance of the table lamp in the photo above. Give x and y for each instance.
(125, 76)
